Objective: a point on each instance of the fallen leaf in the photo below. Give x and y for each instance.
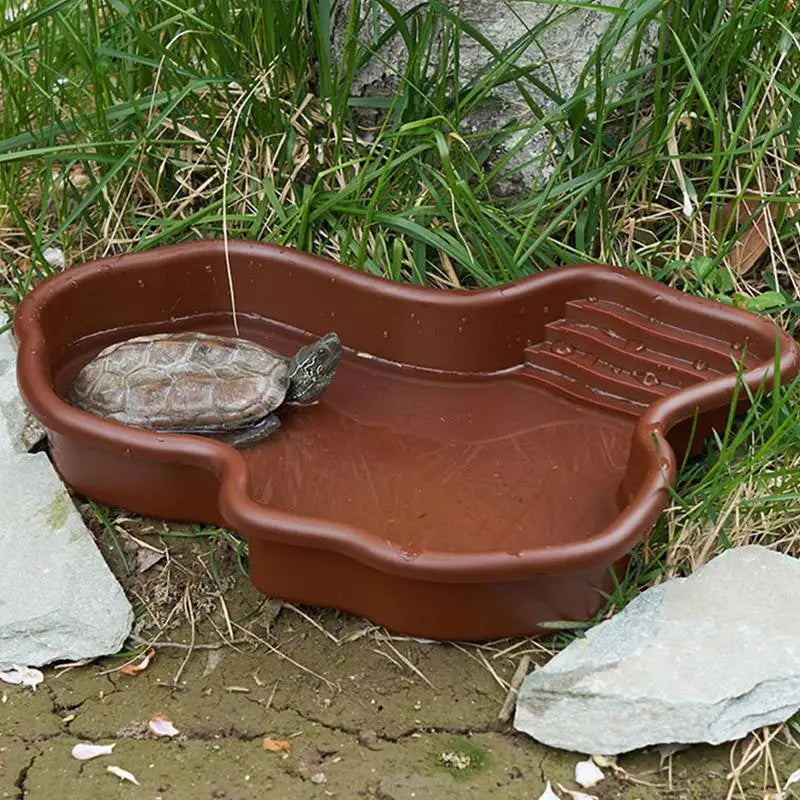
(161, 725)
(276, 745)
(123, 774)
(588, 774)
(83, 751)
(548, 793)
(22, 676)
(146, 558)
(577, 795)
(754, 242)
(141, 666)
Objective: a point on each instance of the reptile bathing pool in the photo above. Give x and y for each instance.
(481, 460)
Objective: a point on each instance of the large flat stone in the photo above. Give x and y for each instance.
(19, 431)
(706, 658)
(58, 598)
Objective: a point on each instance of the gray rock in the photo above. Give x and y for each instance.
(565, 40)
(19, 431)
(706, 658)
(58, 598)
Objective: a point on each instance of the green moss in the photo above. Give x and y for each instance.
(462, 758)
(58, 510)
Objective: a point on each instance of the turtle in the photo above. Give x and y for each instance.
(227, 388)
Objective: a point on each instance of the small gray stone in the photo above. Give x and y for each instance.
(707, 658)
(19, 431)
(58, 598)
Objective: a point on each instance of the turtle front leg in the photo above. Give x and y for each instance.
(252, 434)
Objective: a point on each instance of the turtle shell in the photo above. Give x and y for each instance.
(183, 382)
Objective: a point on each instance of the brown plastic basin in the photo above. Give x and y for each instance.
(479, 463)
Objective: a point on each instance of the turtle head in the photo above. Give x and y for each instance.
(312, 369)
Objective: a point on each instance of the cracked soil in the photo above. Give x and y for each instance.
(367, 715)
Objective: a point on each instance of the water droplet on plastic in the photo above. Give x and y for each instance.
(209, 268)
(737, 346)
(412, 315)
(140, 284)
(700, 365)
(650, 379)
(592, 299)
(386, 334)
(546, 310)
(562, 349)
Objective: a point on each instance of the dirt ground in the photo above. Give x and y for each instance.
(365, 714)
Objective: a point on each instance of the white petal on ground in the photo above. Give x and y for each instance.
(793, 778)
(162, 726)
(144, 663)
(54, 256)
(587, 773)
(24, 676)
(84, 751)
(548, 793)
(122, 774)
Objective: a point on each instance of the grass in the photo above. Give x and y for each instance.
(128, 125)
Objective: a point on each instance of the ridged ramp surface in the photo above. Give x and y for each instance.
(614, 357)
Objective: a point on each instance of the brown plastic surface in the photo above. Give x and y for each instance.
(480, 461)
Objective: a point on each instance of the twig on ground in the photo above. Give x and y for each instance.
(520, 672)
